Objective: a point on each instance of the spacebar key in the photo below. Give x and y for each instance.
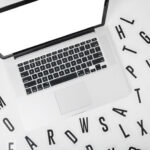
(63, 79)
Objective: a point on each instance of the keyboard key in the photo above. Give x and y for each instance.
(60, 56)
(49, 59)
(75, 56)
(34, 89)
(43, 57)
(32, 65)
(46, 72)
(50, 77)
(89, 63)
(70, 58)
(99, 60)
(20, 65)
(44, 79)
(104, 66)
(42, 68)
(94, 39)
(81, 54)
(90, 57)
(51, 71)
(61, 73)
(59, 51)
(92, 50)
(28, 91)
(39, 81)
(31, 71)
(87, 71)
(97, 49)
(66, 49)
(88, 41)
(53, 64)
(40, 87)
(68, 65)
(94, 44)
(84, 59)
(73, 63)
(56, 69)
(78, 67)
(93, 70)
(40, 74)
(97, 55)
(65, 54)
(67, 71)
(64, 60)
(38, 63)
(63, 79)
(24, 74)
(54, 57)
(87, 46)
(31, 61)
(27, 67)
(21, 69)
(72, 69)
(86, 52)
(62, 67)
(48, 55)
(56, 75)
(71, 52)
(48, 66)
(59, 62)
(79, 61)
(27, 79)
(76, 50)
(82, 48)
(80, 73)
(26, 62)
(54, 53)
(34, 76)
(37, 69)
(43, 61)
(83, 65)
(30, 84)
(98, 67)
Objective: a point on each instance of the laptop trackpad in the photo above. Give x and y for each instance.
(73, 98)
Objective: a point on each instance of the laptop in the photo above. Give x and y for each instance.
(10, 4)
(68, 75)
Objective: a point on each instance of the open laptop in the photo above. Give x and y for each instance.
(68, 75)
(10, 4)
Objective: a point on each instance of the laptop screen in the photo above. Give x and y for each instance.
(4, 3)
(46, 20)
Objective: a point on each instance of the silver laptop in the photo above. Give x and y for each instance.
(71, 74)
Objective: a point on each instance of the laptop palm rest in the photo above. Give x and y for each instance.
(73, 98)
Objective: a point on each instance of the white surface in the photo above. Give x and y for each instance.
(46, 20)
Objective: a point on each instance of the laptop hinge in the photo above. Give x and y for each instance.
(53, 42)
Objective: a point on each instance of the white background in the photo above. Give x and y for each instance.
(129, 9)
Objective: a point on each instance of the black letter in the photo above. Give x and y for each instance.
(2, 103)
(143, 131)
(133, 148)
(120, 111)
(8, 124)
(148, 63)
(125, 135)
(131, 70)
(127, 49)
(120, 32)
(30, 142)
(9, 146)
(89, 147)
(84, 124)
(130, 22)
(145, 37)
(71, 136)
(101, 120)
(51, 137)
(138, 94)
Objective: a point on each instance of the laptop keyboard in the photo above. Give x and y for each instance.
(62, 65)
